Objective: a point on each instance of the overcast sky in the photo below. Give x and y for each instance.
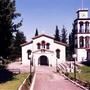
(46, 14)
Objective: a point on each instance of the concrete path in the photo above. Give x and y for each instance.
(48, 79)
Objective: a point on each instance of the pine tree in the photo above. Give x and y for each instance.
(20, 39)
(16, 50)
(7, 26)
(57, 36)
(36, 34)
(72, 42)
(64, 35)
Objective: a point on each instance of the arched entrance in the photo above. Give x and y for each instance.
(43, 60)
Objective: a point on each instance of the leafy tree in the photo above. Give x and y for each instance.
(57, 36)
(64, 35)
(36, 34)
(7, 26)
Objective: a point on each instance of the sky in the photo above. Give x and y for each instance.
(46, 14)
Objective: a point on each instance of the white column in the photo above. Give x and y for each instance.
(84, 27)
(89, 27)
(89, 42)
(78, 27)
(78, 43)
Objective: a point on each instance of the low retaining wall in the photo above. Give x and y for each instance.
(22, 86)
(33, 82)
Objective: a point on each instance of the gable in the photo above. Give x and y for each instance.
(43, 37)
(47, 38)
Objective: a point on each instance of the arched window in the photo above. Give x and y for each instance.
(87, 27)
(29, 53)
(43, 44)
(48, 45)
(87, 40)
(38, 45)
(81, 27)
(58, 53)
(81, 40)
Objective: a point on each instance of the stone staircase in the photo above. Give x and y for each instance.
(67, 67)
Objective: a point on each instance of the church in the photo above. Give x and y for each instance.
(43, 50)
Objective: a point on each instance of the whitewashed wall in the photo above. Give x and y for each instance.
(81, 55)
(25, 55)
(51, 53)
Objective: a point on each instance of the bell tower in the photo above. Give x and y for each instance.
(82, 34)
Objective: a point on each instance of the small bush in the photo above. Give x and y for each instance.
(5, 75)
(67, 74)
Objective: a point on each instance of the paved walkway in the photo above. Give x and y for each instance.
(48, 79)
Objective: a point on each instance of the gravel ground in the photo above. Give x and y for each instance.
(18, 65)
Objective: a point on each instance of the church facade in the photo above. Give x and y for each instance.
(43, 50)
(82, 35)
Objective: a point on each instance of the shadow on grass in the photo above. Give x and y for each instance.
(87, 63)
(5, 75)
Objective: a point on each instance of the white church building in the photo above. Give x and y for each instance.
(82, 36)
(43, 50)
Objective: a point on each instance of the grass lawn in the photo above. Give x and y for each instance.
(14, 83)
(84, 75)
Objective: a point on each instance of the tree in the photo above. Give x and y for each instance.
(36, 34)
(64, 35)
(19, 39)
(7, 26)
(72, 42)
(57, 36)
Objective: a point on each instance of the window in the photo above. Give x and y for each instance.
(38, 45)
(43, 44)
(87, 42)
(81, 27)
(48, 45)
(87, 27)
(81, 40)
(29, 53)
(58, 53)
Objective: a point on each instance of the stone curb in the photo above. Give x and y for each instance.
(33, 82)
(22, 83)
(82, 87)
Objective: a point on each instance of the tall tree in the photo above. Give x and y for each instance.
(20, 39)
(16, 49)
(72, 41)
(64, 35)
(57, 34)
(36, 33)
(7, 26)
